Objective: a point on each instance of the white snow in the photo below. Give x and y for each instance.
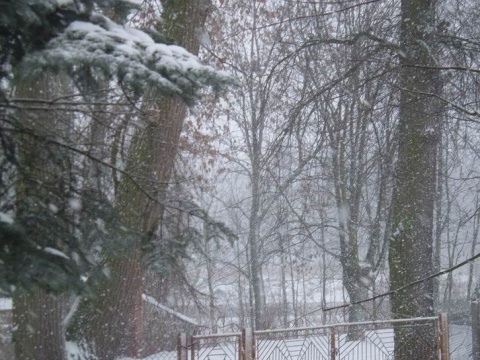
(367, 282)
(203, 37)
(157, 305)
(401, 53)
(430, 130)
(55, 252)
(64, 2)
(53, 208)
(133, 2)
(163, 355)
(132, 55)
(364, 265)
(398, 230)
(6, 304)
(6, 218)
(365, 103)
(75, 204)
(100, 223)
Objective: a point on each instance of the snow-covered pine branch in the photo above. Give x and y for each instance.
(127, 54)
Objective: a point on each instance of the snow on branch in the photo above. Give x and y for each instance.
(159, 307)
(131, 56)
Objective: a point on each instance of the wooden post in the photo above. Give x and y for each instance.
(475, 312)
(443, 352)
(182, 347)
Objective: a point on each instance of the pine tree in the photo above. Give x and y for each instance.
(70, 38)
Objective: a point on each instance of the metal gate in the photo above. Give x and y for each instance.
(373, 340)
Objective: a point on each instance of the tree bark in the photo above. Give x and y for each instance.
(42, 179)
(410, 246)
(39, 332)
(116, 314)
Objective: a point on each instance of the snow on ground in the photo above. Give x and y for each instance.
(163, 355)
(374, 345)
(460, 342)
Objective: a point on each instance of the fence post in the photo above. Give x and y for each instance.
(247, 342)
(182, 347)
(333, 349)
(475, 309)
(442, 326)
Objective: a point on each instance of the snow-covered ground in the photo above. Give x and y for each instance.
(460, 342)
(376, 345)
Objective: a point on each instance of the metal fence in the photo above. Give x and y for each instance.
(373, 340)
(306, 343)
(217, 346)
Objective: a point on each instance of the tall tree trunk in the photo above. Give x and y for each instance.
(116, 313)
(240, 285)
(438, 226)
(42, 185)
(348, 172)
(210, 273)
(255, 246)
(410, 247)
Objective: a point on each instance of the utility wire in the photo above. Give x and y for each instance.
(393, 292)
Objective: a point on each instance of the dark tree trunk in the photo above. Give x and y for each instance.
(39, 332)
(116, 326)
(410, 247)
(43, 177)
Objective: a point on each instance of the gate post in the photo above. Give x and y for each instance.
(182, 347)
(442, 325)
(247, 348)
(333, 347)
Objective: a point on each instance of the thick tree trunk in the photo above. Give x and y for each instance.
(410, 247)
(39, 332)
(43, 178)
(116, 314)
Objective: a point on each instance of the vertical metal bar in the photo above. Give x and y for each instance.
(182, 347)
(443, 323)
(475, 313)
(248, 336)
(439, 338)
(192, 348)
(179, 347)
(241, 350)
(333, 349)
